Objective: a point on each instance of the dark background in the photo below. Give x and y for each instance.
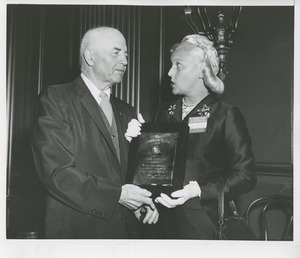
(43, 48)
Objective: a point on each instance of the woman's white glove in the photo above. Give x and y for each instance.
(134, 128)
(189, 191)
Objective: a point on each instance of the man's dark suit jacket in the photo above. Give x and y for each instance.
(78, 165)
(223, 150)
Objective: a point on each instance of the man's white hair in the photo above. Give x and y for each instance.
(90, 37)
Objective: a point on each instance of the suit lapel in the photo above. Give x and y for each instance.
(92, 108)
(121, 122)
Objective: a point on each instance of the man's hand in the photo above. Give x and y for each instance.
(189, 191)
(133, 197)
(134, 128)
(211, 80)
(147, 214)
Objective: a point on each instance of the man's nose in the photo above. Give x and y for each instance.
(124, 60)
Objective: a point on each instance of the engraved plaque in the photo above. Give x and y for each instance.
(157, 157)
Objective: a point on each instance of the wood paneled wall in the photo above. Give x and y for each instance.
(260, 79)
(23, 81)
(260, 83)
(43, 44)
(43, 48)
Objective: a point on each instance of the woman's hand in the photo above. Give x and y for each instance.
(189, 191)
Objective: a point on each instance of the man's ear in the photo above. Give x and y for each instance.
(89, 57)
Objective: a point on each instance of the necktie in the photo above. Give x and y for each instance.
(106, 106)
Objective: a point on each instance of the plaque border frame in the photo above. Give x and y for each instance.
(180, 156)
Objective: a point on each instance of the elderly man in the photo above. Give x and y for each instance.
(80, 147)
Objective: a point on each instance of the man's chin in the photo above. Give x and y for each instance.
(118, 79)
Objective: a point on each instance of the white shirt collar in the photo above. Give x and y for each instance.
(93, 89)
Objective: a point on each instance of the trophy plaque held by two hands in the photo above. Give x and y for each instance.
(157, 157)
